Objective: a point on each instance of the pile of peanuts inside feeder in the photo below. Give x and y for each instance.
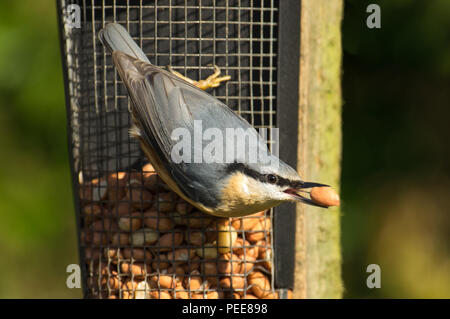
(141, 240)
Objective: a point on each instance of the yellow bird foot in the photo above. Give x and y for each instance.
(211, 81)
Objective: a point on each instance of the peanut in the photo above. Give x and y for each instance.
(130, 223)
(159, 221)
(260, 284)
(210, 271)
(160, 262)
(289, 294)
(238, 247)
(208, 295)
(120, 239)
(226, 238)
(148, 168)
(194, 238)
(122, 209)
(325, 196)
(91, 254)
(103, 225)
(197, 219)
(94, 210)
(137, 254)
(112, 254)
(247, 264)
(193, 282)
(246, 223)
(151, 179)
(177, 270)
(183, 207)
(95, 190)
(111, 282)
(211, 233)
(162, 281)
(180, 255)
(178, 219)
(142, 291)
(229, 264)
(191, 265)
(181, 295)
(169, 241)
(135, 180)
(234, 282)
(260, 231)
(136, 269)
(128, 288)
(144, 236)
(116, 185)
(140, 198)
(265, 256)
(160, 295)
(208, 251)
(165, 202)
(99, 238)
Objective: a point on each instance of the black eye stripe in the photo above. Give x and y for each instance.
(241, 167)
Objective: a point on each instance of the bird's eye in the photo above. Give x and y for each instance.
(272, 179)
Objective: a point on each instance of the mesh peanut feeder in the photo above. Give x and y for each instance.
(137, 238)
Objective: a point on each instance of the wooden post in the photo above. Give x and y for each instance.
(318, 255)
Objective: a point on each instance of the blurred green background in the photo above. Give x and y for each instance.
(37, 227)
(396, 159)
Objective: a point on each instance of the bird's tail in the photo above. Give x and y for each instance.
(116, 38)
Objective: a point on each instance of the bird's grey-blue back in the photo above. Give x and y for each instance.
(164, 103)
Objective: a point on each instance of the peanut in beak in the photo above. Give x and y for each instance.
(324, 196)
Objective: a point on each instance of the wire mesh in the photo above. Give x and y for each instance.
(137, 238)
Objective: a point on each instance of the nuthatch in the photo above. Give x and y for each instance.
(163, 102)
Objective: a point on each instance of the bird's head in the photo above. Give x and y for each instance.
(260, 187)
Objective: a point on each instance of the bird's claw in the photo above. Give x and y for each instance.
(211, 81)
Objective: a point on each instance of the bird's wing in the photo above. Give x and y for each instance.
(163, 103)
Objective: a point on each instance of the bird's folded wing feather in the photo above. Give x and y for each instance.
(163, 103)
(116, 38)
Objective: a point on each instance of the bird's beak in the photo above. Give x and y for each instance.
(304, 188)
